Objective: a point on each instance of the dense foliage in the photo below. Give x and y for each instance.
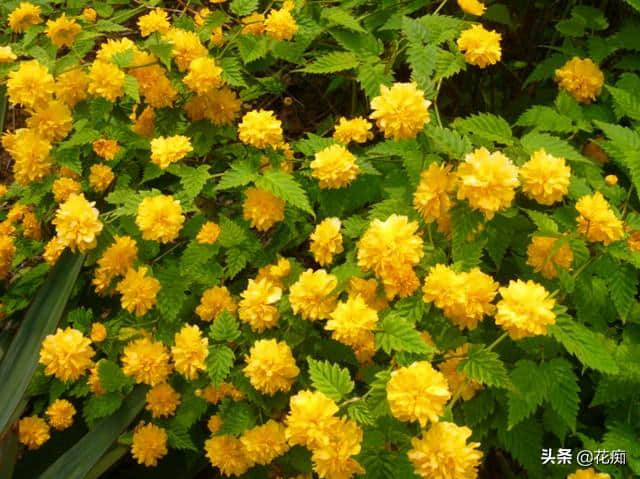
(345, 238)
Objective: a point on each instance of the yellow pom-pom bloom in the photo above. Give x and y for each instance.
(260, 128)
(220, 107)
(357, 130)
(168, 150)
(66, 354)
(106, 80)
(271, 366)
(544, 256)
(545, 178)
(458, 381)
(209, 233)
(310, 419)
(590, 473)
(481, 47)
(334, 167)
(280, 24)
(52, 250)
(186, 47)
(30, 153)
(313, 296)
(25, 15)
(106, 149)
(115, 261)
(94, 381)
(145, 124)
(113, 46)
(154, 21)
(432, 198)
(487, 181)
(160, 218)
(611, 180)
(214, 302)
(60, 413)
(264, 443)
(253, 24)
(400, 111)
(228, 454)
(214, 424)
(334, 460)
(71, 86)
(581, 78)
(258, 306)
(526, 309)
(472, 7)
(443, 453)
(63, 31)
(326, 241)
(215, 394)
(368, 290)
(353, 322)
(7, 251)
(162, 400)
(138, 291)
(190, 351)
(597, 221)
(100, 177)
(204, 75)
(417, 393)
(262, 208)
(77, 223)
(7, 55)
(90, 15)
(33, 432)
(62, 188)
(30, 85)
(98, 332)
(146, 361)
(52, 121)
(149, 444)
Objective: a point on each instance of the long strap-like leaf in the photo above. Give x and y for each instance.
(20, 361)
(80, 459)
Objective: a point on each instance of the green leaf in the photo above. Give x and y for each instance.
(526, 394)
(359, 412)
(622, 282)
(464, 250)
(448, 64)
(219, 363)
(488, 126)
(534, 141)
(251, 48)
(524, 442)
(236, 417)
(543, 222)
(330, 379)
(232, 72)
(191, 179)
(332, 62)
(131, 88)
(190, 410)
(626, 103)
(341, 17)
(241, 173)
(171, 296)
(285, 187)
(589, 347)
(179, 438)
(100, 406)
(485, 367)
(544, 118)
(111, 376)
(448, 141)
(398, 334)
(562, 389)
(372, 75)
(21, 359)
(243, 7)
(225, 328)
(231, 234)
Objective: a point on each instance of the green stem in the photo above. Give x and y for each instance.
(497, 341)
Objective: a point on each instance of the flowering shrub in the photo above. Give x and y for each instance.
(349, 238)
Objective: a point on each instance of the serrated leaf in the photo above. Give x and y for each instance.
(179, 438)
(100, 406)
(131, 88)
(562, 389)
(485, 367)
(284, 186)
(448, 64)
(330, 379)
(331, 63)
(251, 48)
(627, 104)
(543, 222)
(544, 118)
(526, 394)
(112, 378)
(236, 417)
(487, 126)
(241, 173)
(232, 72)
(191, 179)
(171, 296)
(219, 363)
(190, 410)
(622, 283)
(243, 7)
(359, 412)
(371, 75)
(225, 328)
(398, 334)
(231, 234)
(341, 17)
(534, 141)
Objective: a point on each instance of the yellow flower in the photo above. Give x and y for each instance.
(115, 261)
(220, 107)
(7, 251)
(25, 15)
(63, 31)
(98, 332)
(417, 393)
(77, 223)
(94, 381)
(62, 188)
(271, 366)
(368, 290)
(545, 178)
(154, 21)
(60, 413)
(209, 233)
(168, 150)
(204, 76)
(253, 24)
(353, 322)
(634, 241)
(160, 218)
(90, 15)
(262, 208)
(543, 256)
(588, 474)
(146, 361)
(488, 181)
(7, 55)
(275, 272)
(597, 221)
(52, 121)
(458, 381)
(186, 47)
(228, 454)
(33, 432)
(112, 46)
(258, 305)
(31, 226)
(443, 452)
(432, 198)
(333, 460)
(138, 291)
(215, 395)
(264, 443)
(326, 241)
(481, 47)
(581, 78)
(310, 419)
(66, 354)
(357, 130)
(611, 180)
(145, 124)
(400, 111)
(334, 167)
(52, 250)
(190, 351)
(30, 153)
(162, 400)
(106, 80)
(280, 24)
(214, 424)
(71, 86)
(149, 444)
(30, 85)
(214, 302)
(106, 149)
(155, 86)
(526, 309)
(313, 295)
(472, 7)
(260, 128)
(100, 177)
